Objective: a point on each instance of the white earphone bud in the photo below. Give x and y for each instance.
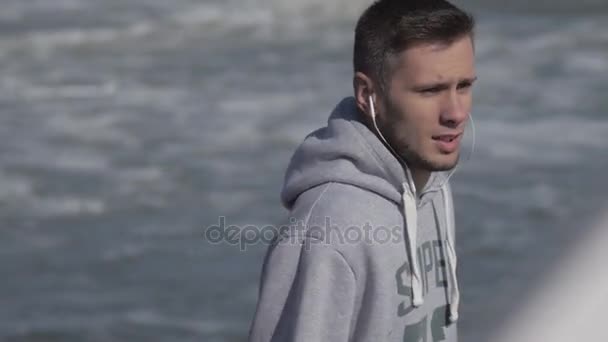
(371, 104)
(373, 113)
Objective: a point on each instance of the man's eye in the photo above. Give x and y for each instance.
(464, 85)
(431, 90)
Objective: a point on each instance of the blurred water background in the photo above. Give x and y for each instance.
(129, 126)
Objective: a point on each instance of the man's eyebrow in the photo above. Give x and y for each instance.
(443, 84)
(469, 79)
(431, 85)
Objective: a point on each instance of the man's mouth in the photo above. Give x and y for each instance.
(448, 143)
(446, 138)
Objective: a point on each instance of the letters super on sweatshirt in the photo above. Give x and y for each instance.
(363, 257)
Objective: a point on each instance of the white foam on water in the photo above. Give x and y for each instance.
(163, 97)
(36, 240)
(12, 186)
(259, 19)
(90, 128)
(263, 105)
(69, 37)
(564, 136)
(45, 42)
(540, 194)
(588, 62)
(148, 186)
(552, 68)
(150, 317)
(37, 93)
(207, 14)
(143, 174)
(232, 201)
(297, 17)
(46, 207)
(124, 251)
(303, 14)
(79, 161)
(242, 117)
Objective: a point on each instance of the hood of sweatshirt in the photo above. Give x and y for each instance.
(347, 151)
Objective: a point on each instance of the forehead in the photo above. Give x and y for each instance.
(436, 61)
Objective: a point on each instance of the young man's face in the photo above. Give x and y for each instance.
(428, 103)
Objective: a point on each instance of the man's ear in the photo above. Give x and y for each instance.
(363, 87)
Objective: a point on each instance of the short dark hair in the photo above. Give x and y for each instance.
(388, 27)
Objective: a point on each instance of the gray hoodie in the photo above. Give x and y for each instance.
(364, 258)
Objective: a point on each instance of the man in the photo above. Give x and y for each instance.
(370, 252)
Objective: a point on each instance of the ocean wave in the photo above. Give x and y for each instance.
(150, 317)
(299, 16)
(124, 251)
(302, 13)
(14, 187)
(92, 129)
(66, 206)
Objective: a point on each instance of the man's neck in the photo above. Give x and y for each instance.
(420, 178)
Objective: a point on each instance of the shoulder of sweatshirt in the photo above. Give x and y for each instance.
(344, 206)
(350, 220)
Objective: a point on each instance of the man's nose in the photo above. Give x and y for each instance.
(454, 112)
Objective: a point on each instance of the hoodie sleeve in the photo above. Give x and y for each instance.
(307, 293)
